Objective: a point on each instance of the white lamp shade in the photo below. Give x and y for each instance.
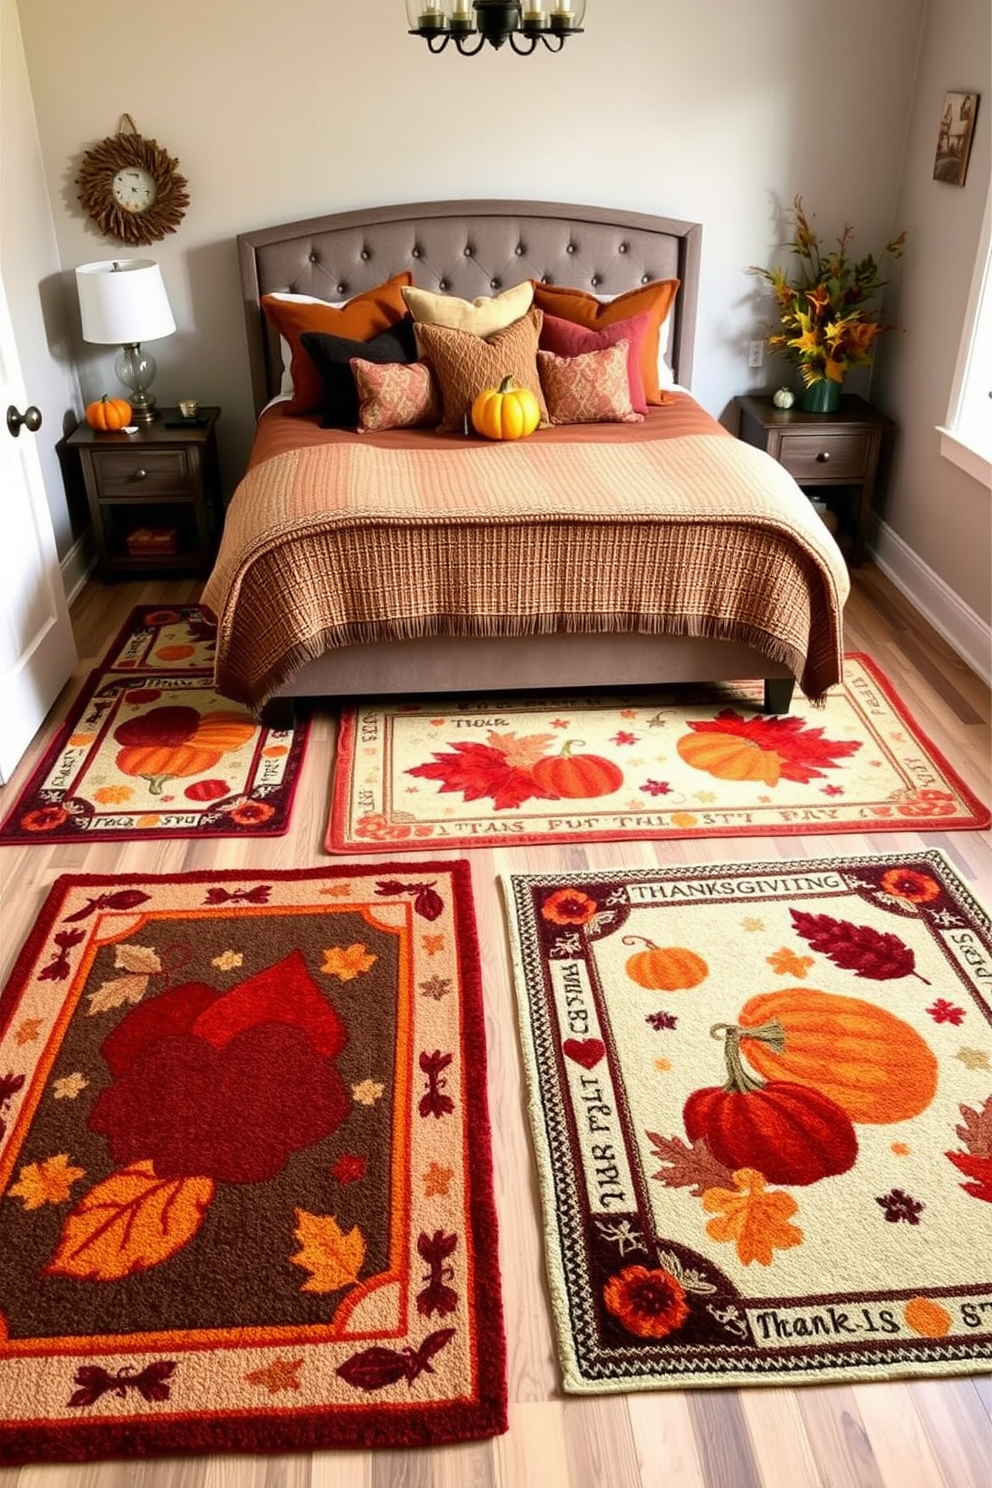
(123, 301)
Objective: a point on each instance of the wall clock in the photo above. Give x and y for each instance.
(131, 187)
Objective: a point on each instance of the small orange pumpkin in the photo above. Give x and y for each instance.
(730, 758)
(576, 777)
(223, 731)
(875, 1066)
(664, 968)
(505, 412)
(108, 413)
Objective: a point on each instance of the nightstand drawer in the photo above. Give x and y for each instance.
(829, 456)
(139, 473)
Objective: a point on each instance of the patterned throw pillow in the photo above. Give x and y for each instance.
(464, 365)
(588, 389)
(567, 339)
(654, 299)
(397, 395)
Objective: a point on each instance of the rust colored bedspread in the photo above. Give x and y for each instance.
(670, 526)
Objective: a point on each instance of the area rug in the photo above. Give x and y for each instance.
(638, 767)
(149, 749)
(761, 1102)
(245, 1166)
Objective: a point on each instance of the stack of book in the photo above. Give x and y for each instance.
(152, 542)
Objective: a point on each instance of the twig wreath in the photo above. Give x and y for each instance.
(146, 217)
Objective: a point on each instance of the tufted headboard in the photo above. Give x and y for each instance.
(469, 248)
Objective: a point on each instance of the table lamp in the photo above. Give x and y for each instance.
(123, 302)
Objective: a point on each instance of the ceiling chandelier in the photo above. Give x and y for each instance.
(471, 23)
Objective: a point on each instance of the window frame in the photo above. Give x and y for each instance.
(971, 388)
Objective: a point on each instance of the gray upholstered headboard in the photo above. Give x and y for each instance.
(469, 248)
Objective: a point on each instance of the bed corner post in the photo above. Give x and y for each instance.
(778, 694)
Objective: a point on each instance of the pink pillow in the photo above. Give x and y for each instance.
(395, 395)
(568, 339)
(589, 389)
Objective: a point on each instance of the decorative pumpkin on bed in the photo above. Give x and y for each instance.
(506, 412)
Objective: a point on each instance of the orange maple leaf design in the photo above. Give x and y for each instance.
(332, 1257)
(336, 890)
(129, 1222)
(46, 1182)
(29, 1030)
(787, 963)
(347, 962)
(432, 944)
(281, 1374)
(754, 1218)
(437, 1180)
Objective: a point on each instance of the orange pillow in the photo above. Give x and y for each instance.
(363, 317)
(655, 300)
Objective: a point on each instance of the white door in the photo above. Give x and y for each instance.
(37, 653)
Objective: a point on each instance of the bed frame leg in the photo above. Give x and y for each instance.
(778, 694)
(280, 713)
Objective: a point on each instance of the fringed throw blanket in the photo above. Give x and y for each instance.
(667, 527)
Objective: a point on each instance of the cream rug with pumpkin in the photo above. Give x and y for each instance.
(761, 1104)
(675, 765)
(149, 749)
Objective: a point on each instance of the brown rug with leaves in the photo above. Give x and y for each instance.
(149, 749)
(761, 1101)
(245, 1167)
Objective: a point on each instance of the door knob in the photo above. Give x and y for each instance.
(30, 418)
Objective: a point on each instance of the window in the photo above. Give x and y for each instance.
(967, 437)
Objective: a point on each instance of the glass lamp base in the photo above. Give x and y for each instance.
(136, 370)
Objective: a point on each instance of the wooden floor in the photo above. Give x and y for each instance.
(925, 1434)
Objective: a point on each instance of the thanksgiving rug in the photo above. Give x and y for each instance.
(709, 764)
(149, 749)
(761, 1103)
(245, 1168)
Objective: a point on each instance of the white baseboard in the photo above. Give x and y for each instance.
(961, 627)
(77, 565)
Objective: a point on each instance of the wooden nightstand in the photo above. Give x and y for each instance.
(838, 450)
(163, 480)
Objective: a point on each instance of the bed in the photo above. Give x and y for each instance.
(338, 577)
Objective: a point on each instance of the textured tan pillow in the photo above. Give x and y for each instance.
(464, 365)
(482, 317)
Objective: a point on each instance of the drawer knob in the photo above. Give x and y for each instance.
(823, 456)
(143, 474)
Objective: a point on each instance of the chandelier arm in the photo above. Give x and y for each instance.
(437, 44)
(470, 51)
(553, 43)
(522, 51)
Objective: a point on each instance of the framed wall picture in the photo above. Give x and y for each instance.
(957, 126)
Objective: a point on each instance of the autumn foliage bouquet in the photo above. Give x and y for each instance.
(826, 325)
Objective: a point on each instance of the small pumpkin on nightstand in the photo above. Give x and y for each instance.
(783, 397)
(108, 413)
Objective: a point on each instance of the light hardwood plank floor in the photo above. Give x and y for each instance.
(912, 1434)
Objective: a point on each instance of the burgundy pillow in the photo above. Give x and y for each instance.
(568, 339)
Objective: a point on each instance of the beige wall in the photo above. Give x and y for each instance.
(942, 514)
(716, 111)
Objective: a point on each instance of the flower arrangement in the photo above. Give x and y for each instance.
(826, 325)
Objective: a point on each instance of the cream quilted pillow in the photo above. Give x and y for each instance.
(464, 365)
(480, 317)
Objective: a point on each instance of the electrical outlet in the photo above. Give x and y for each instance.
(756, 354)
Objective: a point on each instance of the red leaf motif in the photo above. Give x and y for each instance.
(869, 953)
(478, 770)
(123, 899)
(374, 1368)
(803, 751)
(977, 1168)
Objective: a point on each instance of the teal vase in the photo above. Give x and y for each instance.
(822, 396)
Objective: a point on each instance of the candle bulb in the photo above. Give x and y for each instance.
(460, 9)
